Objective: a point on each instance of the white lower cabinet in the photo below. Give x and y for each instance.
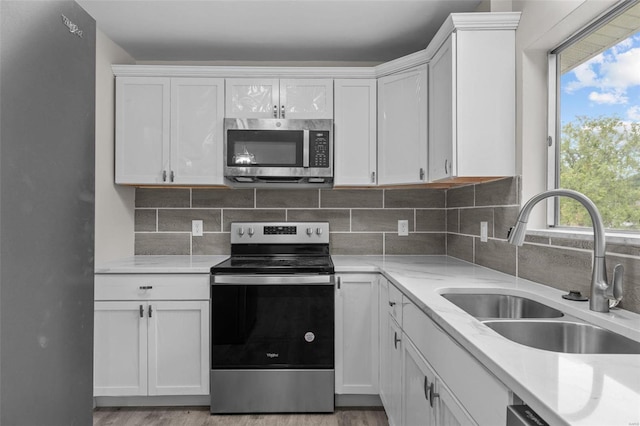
(357, 334)
(426, 378)
(150, 346)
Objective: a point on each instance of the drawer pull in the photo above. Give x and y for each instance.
(141, 312)
(432, 394)
(395, 339)
(150, 311)
(146, 287)
(426, 388)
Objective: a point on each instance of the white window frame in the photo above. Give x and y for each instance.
(553, 132)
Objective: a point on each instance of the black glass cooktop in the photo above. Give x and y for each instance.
(274, 265)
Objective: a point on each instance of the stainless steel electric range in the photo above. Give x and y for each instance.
(272, 320)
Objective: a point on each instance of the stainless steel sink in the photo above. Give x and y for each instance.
(566, 337)
(484, 305)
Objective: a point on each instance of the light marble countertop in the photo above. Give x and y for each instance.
(571, 389)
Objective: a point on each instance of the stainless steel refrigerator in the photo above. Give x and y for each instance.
(47, 114)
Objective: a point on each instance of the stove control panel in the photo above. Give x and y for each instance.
(279, 232)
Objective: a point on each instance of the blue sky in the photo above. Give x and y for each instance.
(606, 85)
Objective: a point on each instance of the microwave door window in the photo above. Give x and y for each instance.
(265, 149)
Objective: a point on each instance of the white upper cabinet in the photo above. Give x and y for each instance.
(472, 103)
(196, 130)
(169, 130)
(402, 127)
(355, 132)
(274, 98)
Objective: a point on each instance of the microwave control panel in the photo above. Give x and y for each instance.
(319, 148)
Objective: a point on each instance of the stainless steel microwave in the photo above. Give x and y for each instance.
(272, 152)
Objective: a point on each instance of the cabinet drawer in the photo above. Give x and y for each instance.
(395, 304)
(152, 287)
(461, 372)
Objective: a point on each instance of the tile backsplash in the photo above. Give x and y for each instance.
(365, 222)
(362, 221)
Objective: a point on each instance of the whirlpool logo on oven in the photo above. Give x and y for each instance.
(272, 355)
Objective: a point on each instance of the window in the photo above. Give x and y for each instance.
(595, 117)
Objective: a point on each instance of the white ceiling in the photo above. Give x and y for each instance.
(272, 30)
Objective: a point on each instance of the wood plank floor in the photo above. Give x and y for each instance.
(200, 416)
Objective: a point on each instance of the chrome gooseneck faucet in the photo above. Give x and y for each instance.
(601, 291)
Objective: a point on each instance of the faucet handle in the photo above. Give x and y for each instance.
(614, 291)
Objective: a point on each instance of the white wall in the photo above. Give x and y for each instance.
(543, 26)
(114, 233)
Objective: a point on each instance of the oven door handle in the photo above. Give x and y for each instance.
(259, 279)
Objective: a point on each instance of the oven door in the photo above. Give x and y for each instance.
(272, 322)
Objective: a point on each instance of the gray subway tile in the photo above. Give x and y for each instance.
(212, 244)
(470, 220)
(460, 246)
(180, 219)
(380, 220)
(414, 198)
(145, 220)
(630, 249)
(431, 220)
(339, 219)
(356, 243)
(351, 198)
(572, 243)
(251, 215)
(463, 196)
(162, 244)
(453, 220)
(496, 254)
(220, 198)
(287, 198)
(556, 267)
(415, 243)
(504, 218)
(503, 192)
(536, 239)
(163, 197)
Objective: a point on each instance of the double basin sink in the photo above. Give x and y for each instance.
(531, 323)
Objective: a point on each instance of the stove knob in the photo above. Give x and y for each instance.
(319, 231)
(309, 231)
(251, 231)
(241, 231)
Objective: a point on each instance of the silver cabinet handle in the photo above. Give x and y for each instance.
(282, 110)
(426, 388)
(339, 282)
(141, 312)
(392, 304)
(164, 175)
(373, 177)
(172, 176)
(395, 339)
(445, 167)
(275, 111)
(146, 287)
(150, 311)
(432, 394)
(421, 173)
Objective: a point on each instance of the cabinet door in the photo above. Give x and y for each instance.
(197, 114)
(142, 129)
(355, 132)
(357, 334)
(418, 399)
(120, 349)
(449, 410)
(442, 107)
(402, 127)
(252, 98)
(178, 348)
(391, 372)
(308, 99)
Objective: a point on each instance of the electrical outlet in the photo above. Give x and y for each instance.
(403, 228)
(484, 231)
(196, 228)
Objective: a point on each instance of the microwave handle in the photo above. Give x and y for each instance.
(305, 148)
